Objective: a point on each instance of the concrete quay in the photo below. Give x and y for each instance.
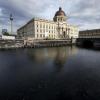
(47, 43)
(20, 43)
(11, 44)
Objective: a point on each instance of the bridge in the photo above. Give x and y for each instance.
(89, 38)
(88, 42)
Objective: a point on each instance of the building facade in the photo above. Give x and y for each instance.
(45, 29)
(4, 31)
(94, 33)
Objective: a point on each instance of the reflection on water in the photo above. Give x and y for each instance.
(58, 55)
(59, 73)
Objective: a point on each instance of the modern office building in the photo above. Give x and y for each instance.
(58, 28)
(4, 31)
(93, 33)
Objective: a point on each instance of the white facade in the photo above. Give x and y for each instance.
(45, 29)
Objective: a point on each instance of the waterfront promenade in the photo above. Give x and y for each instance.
(20, 43)
(11, 44)
(47, 43)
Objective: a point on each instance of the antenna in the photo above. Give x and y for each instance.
(11, 19)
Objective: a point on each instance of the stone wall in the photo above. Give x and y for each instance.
(11, 44)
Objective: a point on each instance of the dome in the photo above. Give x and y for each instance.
(60, 12)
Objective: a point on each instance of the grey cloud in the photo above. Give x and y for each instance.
(80, 12)
(86, 13)
(22, 10)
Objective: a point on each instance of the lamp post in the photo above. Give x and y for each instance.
(11, 19)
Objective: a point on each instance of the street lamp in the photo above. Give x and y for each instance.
(11, 19)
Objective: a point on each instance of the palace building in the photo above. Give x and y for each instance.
(58, 28)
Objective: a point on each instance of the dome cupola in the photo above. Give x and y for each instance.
(60, 12)
(60, 16)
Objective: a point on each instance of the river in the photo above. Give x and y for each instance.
(58, 73)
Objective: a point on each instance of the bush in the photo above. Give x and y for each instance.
(6, 33)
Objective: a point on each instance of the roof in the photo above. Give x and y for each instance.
(91, 30)
(60, 12)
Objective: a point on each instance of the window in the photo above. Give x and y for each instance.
(40, 35)
(44, 26)
(40, 25)
(40, 31)
(44, 30)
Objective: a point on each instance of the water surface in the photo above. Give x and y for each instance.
(59, 73)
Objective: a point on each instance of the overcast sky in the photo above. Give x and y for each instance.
(83, 13)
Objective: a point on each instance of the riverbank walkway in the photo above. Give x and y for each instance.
(20, 43)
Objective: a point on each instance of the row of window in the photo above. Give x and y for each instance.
(43, 36)
(60, 19)
(52, 31)
(43, 31)
(90, 34)
(46, 26)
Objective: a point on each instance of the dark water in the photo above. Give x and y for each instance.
(63, 73)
